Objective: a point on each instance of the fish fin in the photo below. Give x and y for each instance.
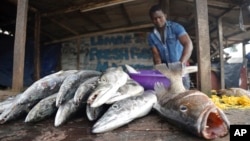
(173, 71)
(160, 89)
(177, 67)
(163, 69)
(130, 69)
(157, 106)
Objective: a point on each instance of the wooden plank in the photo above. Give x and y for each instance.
(64, 27)
(4, 94)
(37, 62)
(221, 48)
(122, 29)
(19, 45)
(203, 46)
(87, 7)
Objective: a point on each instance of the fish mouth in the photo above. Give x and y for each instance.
(101, 95)
(214, 123)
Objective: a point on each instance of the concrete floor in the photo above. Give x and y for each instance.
(149, 128)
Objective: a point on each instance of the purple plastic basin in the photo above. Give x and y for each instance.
(147, 78)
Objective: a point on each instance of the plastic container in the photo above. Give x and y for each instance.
(147, 78)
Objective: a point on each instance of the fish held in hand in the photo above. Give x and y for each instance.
(193, 111)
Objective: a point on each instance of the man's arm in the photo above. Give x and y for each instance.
(187, 48)
(156, 56)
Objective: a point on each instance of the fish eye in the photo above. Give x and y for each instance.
(183, 108)
(115, 106)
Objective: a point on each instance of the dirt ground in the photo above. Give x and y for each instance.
(149, 128)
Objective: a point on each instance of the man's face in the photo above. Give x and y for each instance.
(159, 19)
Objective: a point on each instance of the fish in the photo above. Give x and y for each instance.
(65, 111)
(8, 102)
(233, 92)
(44, 87)
(174, 72)
(96, 112)
(110, 81)
(15, 111)
(5, 105)
(131, 88)
(125, 111)
(71, 83)
(191, 110)
(42, 110)
(40, 89)
(83, 91)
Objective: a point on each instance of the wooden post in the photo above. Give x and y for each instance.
(203, 46)
(19, 45)
(37, 62)
(244, 49)
(222, 69)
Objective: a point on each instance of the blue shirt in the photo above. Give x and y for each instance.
(170, 50)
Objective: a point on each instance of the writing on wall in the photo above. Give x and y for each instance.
(101, 52)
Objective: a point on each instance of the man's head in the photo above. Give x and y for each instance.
(157, 16)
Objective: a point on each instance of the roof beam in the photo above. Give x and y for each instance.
(237, 33)
(90, 20)
(125, 13)
(121, 29)
(64, 26)
(215, 3)
(87, 7)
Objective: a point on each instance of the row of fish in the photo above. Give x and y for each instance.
(112, 99)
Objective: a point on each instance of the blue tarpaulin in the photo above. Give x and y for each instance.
(49, 60)
(232, 73)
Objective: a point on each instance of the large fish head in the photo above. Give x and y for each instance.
(194, 111)
(101, 94)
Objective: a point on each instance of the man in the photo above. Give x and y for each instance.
(169, 41)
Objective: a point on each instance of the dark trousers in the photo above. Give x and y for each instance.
(186, 81)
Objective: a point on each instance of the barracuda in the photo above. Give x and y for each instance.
(71, 83)
(125, 111)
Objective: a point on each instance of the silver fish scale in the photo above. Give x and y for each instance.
(43, 109)
(44, 87)
(71, 83)
(83, 91)
(65, 111)
(124, 111)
